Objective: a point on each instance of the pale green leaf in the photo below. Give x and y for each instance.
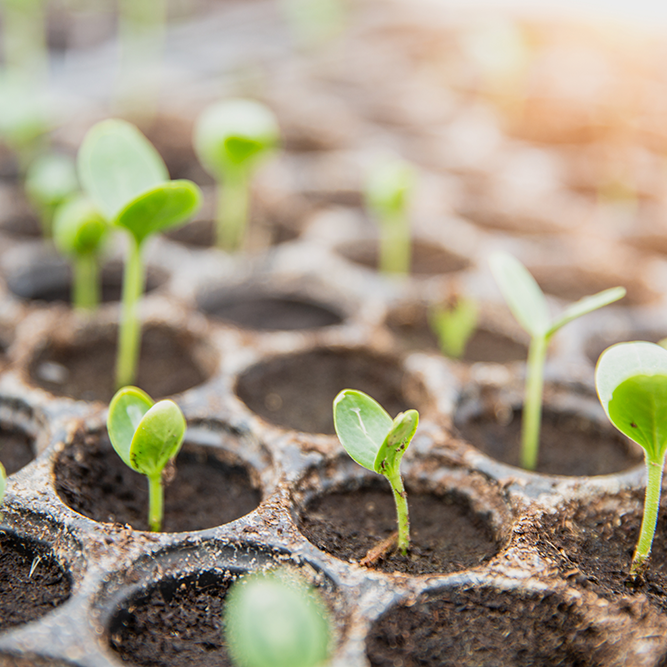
(389, 187)
(587, 305)
(397, 442)
(126, 410)
(454, 326)
(78, 227)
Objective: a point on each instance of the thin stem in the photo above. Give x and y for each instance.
(129, 334)
(651, 504)
(402, 516)
(395, 244)
(155, 502)
(233, 208)
(532, 402)
(85, 282)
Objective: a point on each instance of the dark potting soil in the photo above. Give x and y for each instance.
(569, 444)
(297, 391)
(446, 535)
(207, 490)
(176, 623)
(32, 582)
(16, 450)
(85, 369)
(482, 627)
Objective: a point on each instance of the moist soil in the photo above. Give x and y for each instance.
(482, 627)
(446, 535)
(85, 370)
(176, 623)
(32, 582)
(569, 444)
(15, 450)
(206, 490)
(297, 391)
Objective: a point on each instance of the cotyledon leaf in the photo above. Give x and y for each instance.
(126, 411)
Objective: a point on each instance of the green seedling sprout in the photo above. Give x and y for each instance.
(454, 325)
(529, 306)
(275, 619)
(387, 194)
(631, 381)
(315, 22)
(79, 232)
(232, 138)
(49, 181)
(377, 442)
(146, 435)
(24, 38)
(128, 182)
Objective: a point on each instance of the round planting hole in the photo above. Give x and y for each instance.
(569, 444)
(210, 486)
(482, 627)
(446, 534)
(32, 582)
(84, 369)
(297, 391)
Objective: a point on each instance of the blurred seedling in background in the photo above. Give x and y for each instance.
(146, 435)
(631, 380)
(387, 193)
(276, 619)
(530, 308)
(315, 22)
(232, 139)
(128, 182)
(453, 324)
(79, 232)
(49, 181)
(24, 38)
(377, 442)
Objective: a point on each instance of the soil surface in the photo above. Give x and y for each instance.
(206, 490)
(85, 369)
(297, 391)
(176, 623)
(482, 627)
(446, 535)
(569, 444)
(32, 582)
(15, 450)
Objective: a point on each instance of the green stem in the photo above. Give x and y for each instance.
(650, 518)
(129, 334)
(402, 516)
(233, 208)
(85, 282)
(532, 402)
(395, 244)
(24, 38)
(155, 502)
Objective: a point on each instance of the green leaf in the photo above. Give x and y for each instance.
(126, 411)
(361, 424)
(116, 164)
(522, 293)
(389, 187)
(454, 326)
(78, 227)
(51, 178)
(631, 380)
(166, 205)
(587, 305)
(397, 442)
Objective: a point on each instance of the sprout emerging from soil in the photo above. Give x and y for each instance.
(127, 180)
(232, 138)
(529, 306)
(275, 619)
(79, 231)
(387, 195)
(146, 435)
(631, 380)
(377, 442)
(454, 324)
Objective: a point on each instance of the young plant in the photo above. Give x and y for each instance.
(631, 381)
(315, 22)
(377, 442)
(529, 306)
(275, 619)
(232, 138)
(387, 194)
(128, 182)
(146, 435)
(24, 37)
(454, 324)
(79, 232)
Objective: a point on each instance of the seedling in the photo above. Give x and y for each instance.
(454, 324)
(377, 442)
(631, 380)
(232, 138)
(146, 435)
(387, 193)
(275, 619)
(529, 306)
(24, 37)
(128, 182)
(315, 22)
(79, 231)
